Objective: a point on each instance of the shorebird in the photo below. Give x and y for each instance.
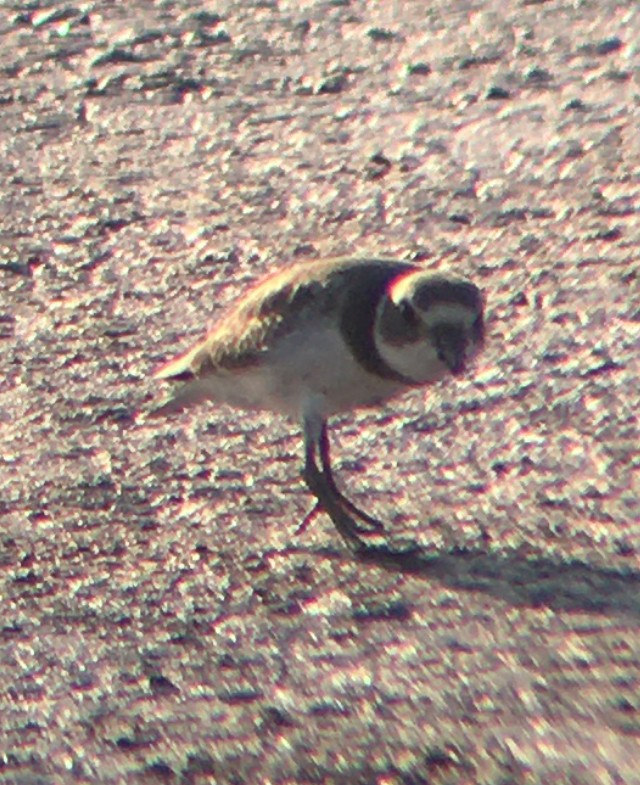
(329, 336)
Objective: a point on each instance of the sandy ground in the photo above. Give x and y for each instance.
(161, 621)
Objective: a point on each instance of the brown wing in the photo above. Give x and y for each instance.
(273, 308)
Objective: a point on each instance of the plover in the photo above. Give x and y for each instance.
(323, 337)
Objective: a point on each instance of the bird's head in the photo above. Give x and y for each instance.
(429, 325)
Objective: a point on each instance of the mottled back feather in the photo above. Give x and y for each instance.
(272, 309)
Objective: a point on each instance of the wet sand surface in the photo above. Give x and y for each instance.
(161, 620)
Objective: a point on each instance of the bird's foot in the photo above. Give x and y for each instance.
(342, 512)
(373, 524)
(315, 510)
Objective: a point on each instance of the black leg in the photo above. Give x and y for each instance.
(325, 459)
(323, 487)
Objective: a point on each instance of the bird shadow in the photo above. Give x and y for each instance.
(536, 581)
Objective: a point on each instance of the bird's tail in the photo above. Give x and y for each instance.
(191, 393)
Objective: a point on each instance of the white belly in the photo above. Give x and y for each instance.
(304, 370)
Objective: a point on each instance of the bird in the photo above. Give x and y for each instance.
(324, 337)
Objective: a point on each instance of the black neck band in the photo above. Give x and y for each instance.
(358, 323)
